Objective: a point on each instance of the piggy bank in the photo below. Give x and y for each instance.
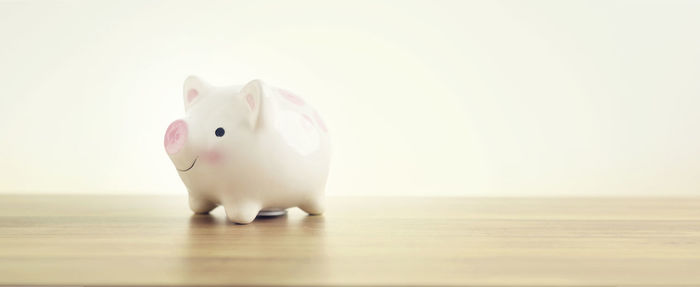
(252, 149)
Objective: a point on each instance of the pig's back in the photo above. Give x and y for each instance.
(296, 122)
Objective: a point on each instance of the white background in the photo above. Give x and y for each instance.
(487, 98)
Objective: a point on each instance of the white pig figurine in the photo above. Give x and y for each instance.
(252, 149)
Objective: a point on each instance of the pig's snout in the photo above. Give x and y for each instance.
(175, 136)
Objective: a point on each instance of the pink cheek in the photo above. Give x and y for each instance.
(213, 156)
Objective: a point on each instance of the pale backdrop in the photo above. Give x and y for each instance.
(487, 98)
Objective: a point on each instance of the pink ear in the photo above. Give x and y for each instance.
(251, 95)
(191, 95)
(193, 89)
(251, 101)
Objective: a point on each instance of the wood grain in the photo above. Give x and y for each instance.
(155, 240)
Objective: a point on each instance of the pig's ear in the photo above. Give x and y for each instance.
(251, 95)
(193, 89)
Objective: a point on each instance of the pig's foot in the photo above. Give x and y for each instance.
(201, 206)
(313, 206)
(241, 213)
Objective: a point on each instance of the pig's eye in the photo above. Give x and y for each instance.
(219, 132)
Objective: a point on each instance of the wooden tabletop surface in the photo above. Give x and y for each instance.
(155, 240)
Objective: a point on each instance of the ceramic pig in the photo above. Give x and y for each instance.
(251, 149)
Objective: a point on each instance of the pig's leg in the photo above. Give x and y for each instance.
(313, 206)
(201, 206)
(241, 212)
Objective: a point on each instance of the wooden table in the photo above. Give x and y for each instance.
(156, 240)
